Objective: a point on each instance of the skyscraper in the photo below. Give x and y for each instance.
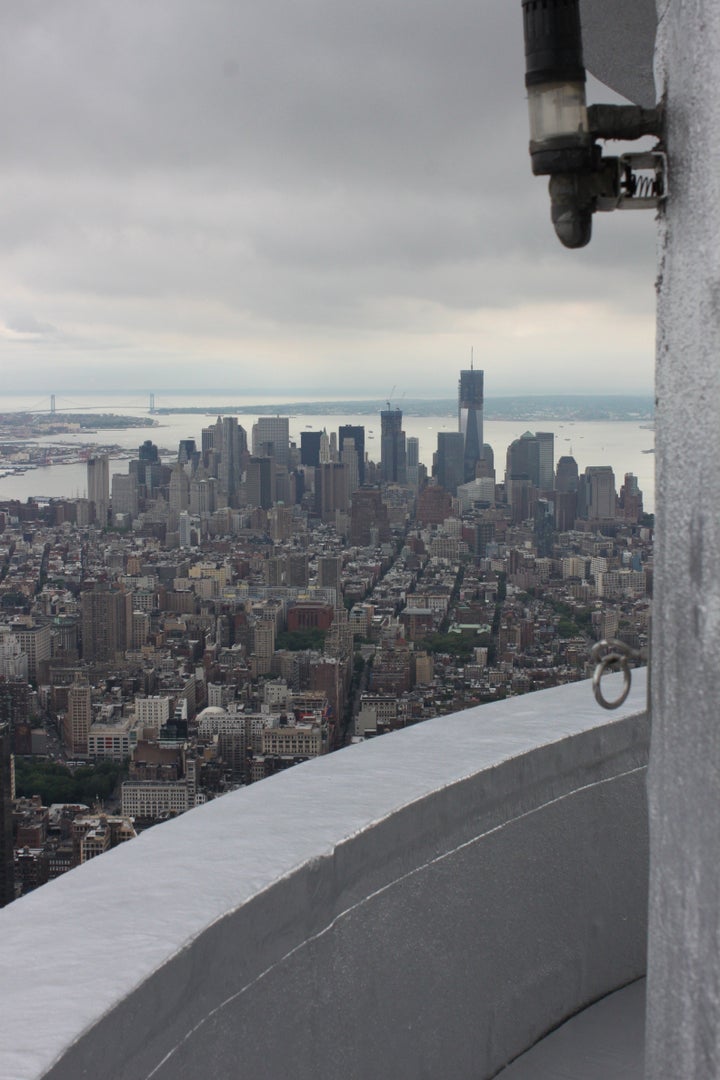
(546, 456)
(179, 492)
(260, 482)
(98, 483)
(271, 438)
(331, 492)
(15, 711)
(263, 645)
(393, 457)
(35, 642)
(78, 718)
(330, 573)
(565, 509)
(325, 454)
(147, 469)
(522, 473)
(231, 441)
(631, 500)
(470, 417)
(296, 568)
(186, 451)
(357, 433)
(105, 617)
(531, 458)
(202, 493)
(185, 529)
(207, 439)
(413, 460)
(349, 458)
(566, 477)
(522, 459)
(597, 491)
(450, 460)
(125, 496)
(543, 527)
(369, 521)
(310, 448)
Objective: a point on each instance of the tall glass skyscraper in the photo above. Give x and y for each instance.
(450, 461)
(470, 418)
(393, 454)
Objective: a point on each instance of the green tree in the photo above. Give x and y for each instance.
(457, 645)
(298, 640)
(57, 783)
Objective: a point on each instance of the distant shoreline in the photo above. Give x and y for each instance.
(571, 407)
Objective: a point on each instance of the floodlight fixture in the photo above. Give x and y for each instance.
(564, 130)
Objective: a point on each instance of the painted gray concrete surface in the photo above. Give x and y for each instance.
(684, 789)
(427, 904)
(604, 1042)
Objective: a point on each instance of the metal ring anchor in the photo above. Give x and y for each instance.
(613, 654)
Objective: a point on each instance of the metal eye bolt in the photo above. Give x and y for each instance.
(613, 655)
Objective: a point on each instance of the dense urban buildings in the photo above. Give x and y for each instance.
(7, 875)
(234, 609)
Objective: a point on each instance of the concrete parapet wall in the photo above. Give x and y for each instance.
(427, 904)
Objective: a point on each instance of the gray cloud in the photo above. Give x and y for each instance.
(183, 178)
(26, 324)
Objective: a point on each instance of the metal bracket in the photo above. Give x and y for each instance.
(628, 182)
(614, 655)
(625, 122)
(645, 183)
(633, 181)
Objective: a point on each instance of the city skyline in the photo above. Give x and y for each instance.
(210, 617)
(316, 207)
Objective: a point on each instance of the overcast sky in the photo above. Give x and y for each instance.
(308, 195)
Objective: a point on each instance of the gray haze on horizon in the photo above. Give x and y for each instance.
(326, 198)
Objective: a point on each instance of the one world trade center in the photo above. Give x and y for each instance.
(470, 418)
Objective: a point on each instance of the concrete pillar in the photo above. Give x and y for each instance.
(683, 1038)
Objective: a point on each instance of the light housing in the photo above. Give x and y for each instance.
(564, 131)
(560, 140)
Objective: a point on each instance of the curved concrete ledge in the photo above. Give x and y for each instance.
(426, 904)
